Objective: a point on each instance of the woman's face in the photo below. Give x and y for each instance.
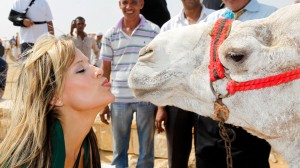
(85, 88)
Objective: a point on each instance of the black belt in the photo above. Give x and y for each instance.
(40, 22)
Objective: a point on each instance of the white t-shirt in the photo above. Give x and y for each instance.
(38, 12)
(180, 21)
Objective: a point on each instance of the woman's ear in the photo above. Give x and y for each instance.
(57, 102)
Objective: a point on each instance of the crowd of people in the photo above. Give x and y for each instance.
(60, 85)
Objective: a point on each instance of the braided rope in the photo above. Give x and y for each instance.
(219, 33)
(233, 86)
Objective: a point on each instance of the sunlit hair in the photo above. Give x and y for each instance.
(28, 141)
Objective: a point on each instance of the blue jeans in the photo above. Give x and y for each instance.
(121, 118)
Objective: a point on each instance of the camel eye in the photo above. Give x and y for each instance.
(235, 56)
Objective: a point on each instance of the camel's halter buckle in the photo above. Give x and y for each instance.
(221, 111)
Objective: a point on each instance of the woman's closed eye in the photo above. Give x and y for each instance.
(82, 70)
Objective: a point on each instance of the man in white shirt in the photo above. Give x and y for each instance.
(37, 22)
(82, 41)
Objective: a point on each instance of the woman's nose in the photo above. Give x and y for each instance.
(98, 72)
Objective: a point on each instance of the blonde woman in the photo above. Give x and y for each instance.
(58, 96)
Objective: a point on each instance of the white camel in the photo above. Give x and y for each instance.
(173, 70)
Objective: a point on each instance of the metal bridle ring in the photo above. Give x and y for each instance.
(217, 94)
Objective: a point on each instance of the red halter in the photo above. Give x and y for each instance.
(218, 34)
(216, 69)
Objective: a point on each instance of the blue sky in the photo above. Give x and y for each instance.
(100, 15)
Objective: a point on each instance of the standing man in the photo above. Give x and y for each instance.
(178, 122)
(37, 22)
(120, 52)
(247, 151)
(84, 43)
(99, 36)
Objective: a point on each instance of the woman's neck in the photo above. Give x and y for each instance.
(75, 129)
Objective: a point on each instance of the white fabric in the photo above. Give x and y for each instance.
(254, 10)
(99, 34)
(180, 21)
(38, 12)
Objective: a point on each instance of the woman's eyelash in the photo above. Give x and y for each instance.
(81, 71)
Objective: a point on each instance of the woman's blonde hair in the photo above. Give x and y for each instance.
(28, 141)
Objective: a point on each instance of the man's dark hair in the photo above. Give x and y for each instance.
(80, 18)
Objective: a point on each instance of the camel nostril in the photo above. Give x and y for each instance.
(235, 57)
(144, 51)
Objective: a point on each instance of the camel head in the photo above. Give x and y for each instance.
(173, 70)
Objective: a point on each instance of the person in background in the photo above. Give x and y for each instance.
(178, 122)
(82, 41)
(120, 51)
(296, 1)
(247, 151)
(2, 49)
(99, 36)
(58, 96)
(38, 21)
(156, 11)
(3, 69)
(14, 52)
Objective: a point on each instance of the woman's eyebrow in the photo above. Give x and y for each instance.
(81, 61)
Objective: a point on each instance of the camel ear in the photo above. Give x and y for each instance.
(56, 102)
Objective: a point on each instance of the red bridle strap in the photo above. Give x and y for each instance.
(233, 86)
(218, 34)
(216, 70)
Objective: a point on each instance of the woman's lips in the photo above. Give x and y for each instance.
(105, 83)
